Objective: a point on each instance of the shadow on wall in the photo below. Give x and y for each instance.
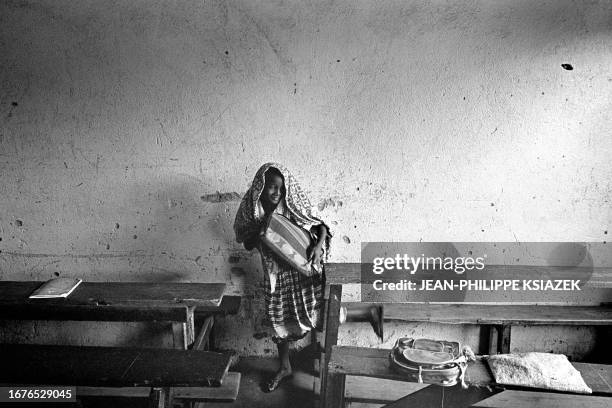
(182, 237)
(186, 233)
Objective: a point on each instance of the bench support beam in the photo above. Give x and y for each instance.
(160, 397)
(331, 323)
(182, 333)
(499, 339)
(334, 390)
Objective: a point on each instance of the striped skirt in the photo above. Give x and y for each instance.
(295, 305)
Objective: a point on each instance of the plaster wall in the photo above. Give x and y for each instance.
(130, 129)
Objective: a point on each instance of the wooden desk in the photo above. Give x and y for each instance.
(498, 318)
(369, 362)
(110, 366)
(161, 371)
(116, 301)
(532, 399)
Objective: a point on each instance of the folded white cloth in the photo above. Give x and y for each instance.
(537, 370)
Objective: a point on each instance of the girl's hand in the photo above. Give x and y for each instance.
(264, 225)
(316, 255)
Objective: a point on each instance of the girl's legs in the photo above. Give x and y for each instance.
(283, 354)
(284, 369)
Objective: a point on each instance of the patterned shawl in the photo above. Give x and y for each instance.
(248, 220)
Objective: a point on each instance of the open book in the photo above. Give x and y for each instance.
(56, 288)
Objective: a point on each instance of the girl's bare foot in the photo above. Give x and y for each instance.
(280, 376)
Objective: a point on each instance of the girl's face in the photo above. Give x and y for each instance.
(273, 190)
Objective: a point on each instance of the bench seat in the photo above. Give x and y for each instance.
(508, 399)
(111, 366)
(498, 318)
(226, 392)
(368, 362)
(499, 314)
(162, 372)
(229, 305)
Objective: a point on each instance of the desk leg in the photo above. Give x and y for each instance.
(183, 332)
(505, 338)
(492, 340)
(334, 390)
(330, 339)
(204, 335)
(211, 336)
(160, 397)
(499, 339)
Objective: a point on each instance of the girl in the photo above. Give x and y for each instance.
(293, 301)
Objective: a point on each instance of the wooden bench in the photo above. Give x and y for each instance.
(166, 373)
(367, 362)
(498, 319)
(205, 320)
(226, 392)
(173, 302)
(508, 399)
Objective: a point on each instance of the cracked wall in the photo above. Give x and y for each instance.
(128, 133)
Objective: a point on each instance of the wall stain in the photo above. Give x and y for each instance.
(329, 202)
(221, 197)
(237, 271)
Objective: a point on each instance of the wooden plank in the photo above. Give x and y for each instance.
(182, 333)
(357, 404)
(435, 396)
(228, 391)
(111, 366)
(505, 337)
(179, 336)
(507, 399)
(369, 362)
(115, 313)
(157, 398)
(332, 317)
(229, 305)
(121, 392)
(109, 293)
(202, 339)
(109, 301)
(190, 326)
(350, 362)
(330, 335)
(597, 376)
(599, 277)
(493, 339)
(498, 314)
(378, 390)
(334, 390)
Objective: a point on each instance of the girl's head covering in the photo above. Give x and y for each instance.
(248, 219)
